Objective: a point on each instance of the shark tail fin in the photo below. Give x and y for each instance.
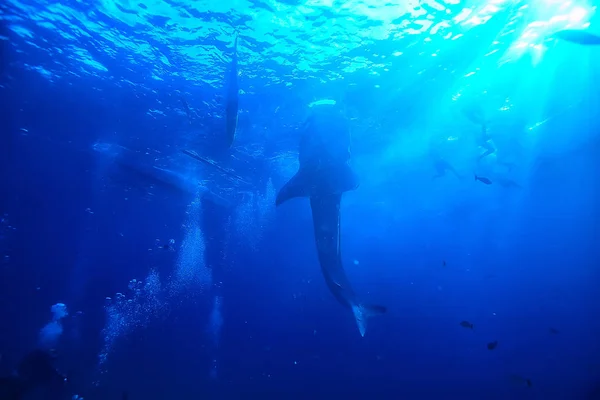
(362, 312)
(296, 187)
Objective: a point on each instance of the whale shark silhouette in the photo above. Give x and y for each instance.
(578, 36)
(323, 176)
(232, 100)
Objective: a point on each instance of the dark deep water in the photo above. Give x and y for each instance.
(236, 305)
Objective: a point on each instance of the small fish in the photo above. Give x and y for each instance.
(483, 180)
(166, 246)
(443, 263)
(553, 331)
(578, 36)
(466, 324)
(186, 109)
(492, 345)
(520, 380)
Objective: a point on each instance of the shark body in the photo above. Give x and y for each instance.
(232, 100)
(323, 176)
(578, 36)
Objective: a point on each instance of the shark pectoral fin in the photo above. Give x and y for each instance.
(362, 312)
(298, 186)
(347, 179)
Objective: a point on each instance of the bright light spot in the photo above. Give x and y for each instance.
(490, 9)
(476, 21)
(520, 45)
(565, 5)
(550, 16)
(463, 15)
(322, 102)
(577, 15)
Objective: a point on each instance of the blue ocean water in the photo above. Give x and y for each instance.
(154, 261)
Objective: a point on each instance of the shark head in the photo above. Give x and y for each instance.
(324, 156)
